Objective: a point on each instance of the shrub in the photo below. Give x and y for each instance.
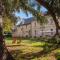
(58, 56)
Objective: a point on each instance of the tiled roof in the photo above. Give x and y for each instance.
(27, 21)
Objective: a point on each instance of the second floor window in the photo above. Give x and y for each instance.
(26, 26)
(51, 29)
(51, 21)
(35, 24)
(21, 29)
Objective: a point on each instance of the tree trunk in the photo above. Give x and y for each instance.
(1, 44)
(4, 53)
(56, 23)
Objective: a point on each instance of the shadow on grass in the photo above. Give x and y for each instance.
(52, 40)
(41, 53)
(28, 56)
(47, 48)
(7, 55)
(57, 55)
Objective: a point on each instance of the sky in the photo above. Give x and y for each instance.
(21, 14)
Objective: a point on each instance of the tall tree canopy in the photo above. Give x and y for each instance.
(8, 7)
(53, 7)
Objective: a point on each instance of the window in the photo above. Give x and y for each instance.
(51, 21)
(35, 24)
(51, 33)
(26, 31)
(21, 29)
(26, 26)
(35, 34)
(51, 29)
(14, 29)
(29, 32)
(27, 36)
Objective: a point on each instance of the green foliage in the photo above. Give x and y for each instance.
(7, 24)
(47, 47)
(58, 56)
(55, 40)
(55, 5)
(11, 6)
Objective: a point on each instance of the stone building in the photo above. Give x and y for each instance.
(31, 28)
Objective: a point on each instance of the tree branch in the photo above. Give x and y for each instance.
(51, 11)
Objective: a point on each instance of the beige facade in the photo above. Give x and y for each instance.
(35, 29)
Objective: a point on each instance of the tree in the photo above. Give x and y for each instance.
(8, 7)
(53, 7)
(7, 24)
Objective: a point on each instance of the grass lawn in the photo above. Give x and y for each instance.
(31, 50)
(25, 42)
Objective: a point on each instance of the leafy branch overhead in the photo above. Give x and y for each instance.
(11, 6)
(53, 7)
(35, 13)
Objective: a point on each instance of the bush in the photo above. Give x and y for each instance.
(58, 56)
(8, 34)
